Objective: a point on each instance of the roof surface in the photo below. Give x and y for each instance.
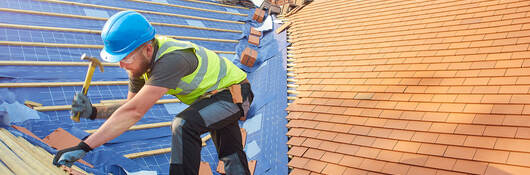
(41, 42)
(411, 87)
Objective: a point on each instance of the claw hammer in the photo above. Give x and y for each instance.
(94, 62)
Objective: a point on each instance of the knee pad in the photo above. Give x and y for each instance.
(177, 124)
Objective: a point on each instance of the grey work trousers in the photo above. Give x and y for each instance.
(218, 115)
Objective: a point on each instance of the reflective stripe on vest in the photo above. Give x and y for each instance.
(190, 87)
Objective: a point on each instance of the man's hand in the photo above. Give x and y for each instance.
(81, 104)
(70, 155)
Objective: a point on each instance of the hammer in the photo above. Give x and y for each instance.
(94, 62)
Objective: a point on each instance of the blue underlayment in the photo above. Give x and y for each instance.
(266, 140)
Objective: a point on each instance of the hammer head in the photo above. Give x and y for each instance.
(93, 61)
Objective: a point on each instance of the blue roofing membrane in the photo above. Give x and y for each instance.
(266, 139)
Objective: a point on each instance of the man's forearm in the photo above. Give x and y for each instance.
(122, 120)
(105, 111)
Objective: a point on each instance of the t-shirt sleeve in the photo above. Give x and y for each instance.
(169, 69)
(135, 84)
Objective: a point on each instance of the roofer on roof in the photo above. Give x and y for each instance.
(159, 65)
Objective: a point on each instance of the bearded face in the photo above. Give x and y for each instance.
(137, 62)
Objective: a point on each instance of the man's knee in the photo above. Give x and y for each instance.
(177, 124)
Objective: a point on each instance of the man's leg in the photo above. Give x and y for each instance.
(229, 146)
(186, 143)
(214, 113)
(226, 135)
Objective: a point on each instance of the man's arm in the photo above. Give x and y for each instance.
(126, 115)
(105, 111)
(130, 95)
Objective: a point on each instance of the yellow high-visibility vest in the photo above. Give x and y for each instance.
(212, 72)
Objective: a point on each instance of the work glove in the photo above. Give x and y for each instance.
(70, 155)
(82, 104)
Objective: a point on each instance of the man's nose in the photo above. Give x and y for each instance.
(122, 65)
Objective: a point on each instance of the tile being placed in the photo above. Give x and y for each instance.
(58, 139)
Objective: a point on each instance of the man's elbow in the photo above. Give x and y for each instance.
(137, 115)
(133, 113)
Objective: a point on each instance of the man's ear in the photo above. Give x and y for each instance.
(149, 49)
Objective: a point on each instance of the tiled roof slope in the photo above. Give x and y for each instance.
(411, 87)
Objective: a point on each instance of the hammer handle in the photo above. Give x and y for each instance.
(88, 79)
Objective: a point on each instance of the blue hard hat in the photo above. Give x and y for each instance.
(122, 33)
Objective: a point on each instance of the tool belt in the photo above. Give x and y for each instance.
(237, 97)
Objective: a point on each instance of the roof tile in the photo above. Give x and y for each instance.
(315, 166)
(295, 132)
(384, 143)
(297, 171)
(333, 169)
(432, 149)
(372, 165)
(363, 140)
(443, 172)
(481, 142)
(420, 170)
(351, 161)
(507, 109)
(440, 162)
(419, 126)
(516, 121)
(313, 154)
(470, 166)
(355, 171)
(488, 119)
(297, 141)
(521, 159)
(391, 114)
(344, 138)
(311, 143)
(407, 146)
(324, 135)
(500, 131)
(412, 115)
(325, 126)
(391, 156)
(443, 127)
(348, 149)
(395, 168)
(494, 169)
(491, 155)
(512, 144)
(401, 134)
(380, 132)
(425, 137)
(297, 151)
(367, 152)
(332, 157)
(360, 130)
(470, 129)
(523, 133)
(310, 133)
(298, 162)
(329, 146)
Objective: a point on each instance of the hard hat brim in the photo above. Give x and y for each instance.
(112, 57)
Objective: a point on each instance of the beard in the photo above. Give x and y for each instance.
(142, 68)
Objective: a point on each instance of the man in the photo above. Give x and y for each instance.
(160, 65)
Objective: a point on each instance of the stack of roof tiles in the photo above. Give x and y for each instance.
(411, 87)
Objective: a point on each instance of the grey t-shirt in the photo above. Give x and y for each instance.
(168, 70)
